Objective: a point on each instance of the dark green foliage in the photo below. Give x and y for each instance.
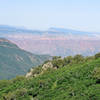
(89, 58)
(56, 57)
(78, 58)
(37, 70)
(97, 56)
(74, 81)
(96, 73)
(68, 60)
(58, 62)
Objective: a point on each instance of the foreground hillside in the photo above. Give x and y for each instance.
(60, 79)
(15, 61)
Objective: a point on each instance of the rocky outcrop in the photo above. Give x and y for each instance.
(47, 65)
(33, 72)
(29, 74)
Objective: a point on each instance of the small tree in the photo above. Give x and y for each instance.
(97, 55)
(68, 60)
(57, 62)
(78, 58)
(56, 57)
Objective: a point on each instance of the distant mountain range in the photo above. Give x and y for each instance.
(70, 31)
(15, 61)
(6, 29)
(54, 41)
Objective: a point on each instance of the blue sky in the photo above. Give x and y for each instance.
(43, 14)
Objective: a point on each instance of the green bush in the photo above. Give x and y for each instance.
(97, 55)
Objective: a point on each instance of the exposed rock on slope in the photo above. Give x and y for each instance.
(40, 69)
(47, 65)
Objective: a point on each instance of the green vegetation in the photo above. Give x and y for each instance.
(75, 78)
(15, 61)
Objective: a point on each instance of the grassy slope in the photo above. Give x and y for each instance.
(15, 61)
(76, 82)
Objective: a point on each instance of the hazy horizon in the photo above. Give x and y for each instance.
(26, 28)
(43, 14)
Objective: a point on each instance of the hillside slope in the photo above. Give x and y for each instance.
(15, 61)
(74, 82)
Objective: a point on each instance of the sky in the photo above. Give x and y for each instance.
(43, 14)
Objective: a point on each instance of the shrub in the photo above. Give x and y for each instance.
(97, 55)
